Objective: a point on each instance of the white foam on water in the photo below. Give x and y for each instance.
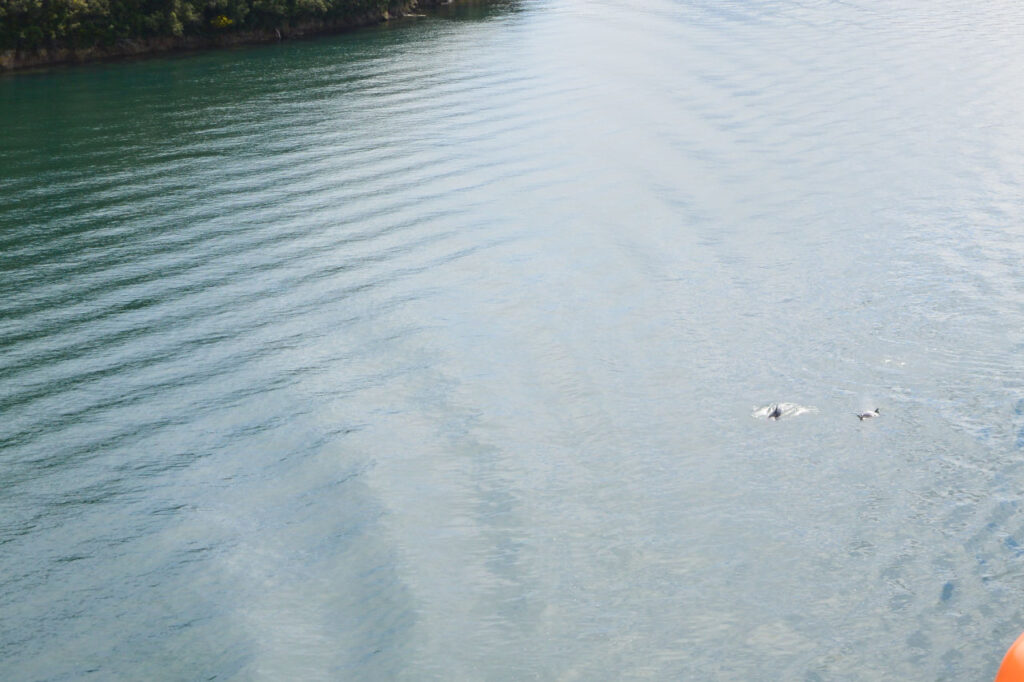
(788, 410)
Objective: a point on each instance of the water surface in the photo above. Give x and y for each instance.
(431, 351)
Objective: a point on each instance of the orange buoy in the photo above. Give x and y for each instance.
(1012, 668)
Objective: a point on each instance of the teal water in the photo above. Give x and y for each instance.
(435, 351)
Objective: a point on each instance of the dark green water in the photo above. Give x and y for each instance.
(440, 350)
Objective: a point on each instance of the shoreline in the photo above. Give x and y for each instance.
(12, 61)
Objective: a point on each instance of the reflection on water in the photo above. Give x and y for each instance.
(429, 351)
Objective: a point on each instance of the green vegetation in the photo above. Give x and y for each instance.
(31, 25)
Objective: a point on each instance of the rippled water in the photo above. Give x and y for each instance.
(431, 352)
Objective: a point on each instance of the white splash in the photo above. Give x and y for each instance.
(788, 410)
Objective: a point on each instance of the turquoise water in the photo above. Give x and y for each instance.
(436, 351)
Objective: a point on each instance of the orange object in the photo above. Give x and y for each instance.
(1012, 669)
